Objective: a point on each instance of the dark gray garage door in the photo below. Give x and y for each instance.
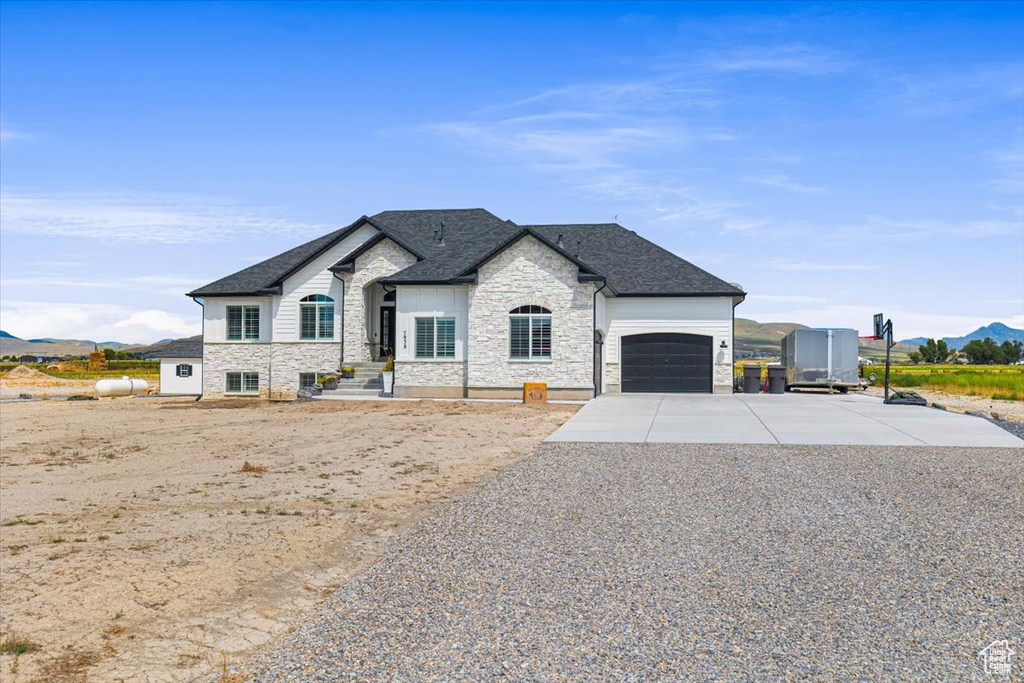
(666, 363)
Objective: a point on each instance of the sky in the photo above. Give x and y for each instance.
(834, 159)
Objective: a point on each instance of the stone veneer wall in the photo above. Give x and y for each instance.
(280, 362)
(221, 358)
(527, 273)
(611, 376)
(723, 371)
(291, 358)
(383, 259)
(442, 378)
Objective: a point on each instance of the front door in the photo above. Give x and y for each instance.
(387, 330)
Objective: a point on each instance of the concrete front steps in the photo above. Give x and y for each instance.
(367, 382)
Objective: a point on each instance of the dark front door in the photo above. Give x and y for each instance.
(387, 330)
(666, 362)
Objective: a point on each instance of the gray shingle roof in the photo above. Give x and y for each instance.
(268, 274)
(191, 347)
(630, 264)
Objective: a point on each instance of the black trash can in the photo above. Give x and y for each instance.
(751, 379)
(776, 379)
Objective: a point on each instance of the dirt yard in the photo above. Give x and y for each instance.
(25, 381)
(957, 403)
(159, 539)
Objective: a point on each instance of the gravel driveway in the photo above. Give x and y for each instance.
(664, 562)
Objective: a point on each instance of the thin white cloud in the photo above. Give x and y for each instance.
(810, 266)
(1009, 165)
(784, 299)
(168, 285)
(141, 218)
(8, 135)
(744, 225)
(783, 182)
(99, 322)
(804, 60)
(598, 139)
(957, 91)
(11, 134)
(906, 323)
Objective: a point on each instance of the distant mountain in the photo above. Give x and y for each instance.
(147, 350)
(997, 331)
(763, 340)
(752, 336)
(48, 346)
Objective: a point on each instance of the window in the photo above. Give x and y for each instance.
(243, 383)
(307, 380)
(529, 333)
(435, 337)
(316, 317)
(183, 370)
(243, 323)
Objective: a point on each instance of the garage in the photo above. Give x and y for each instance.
(666, 362)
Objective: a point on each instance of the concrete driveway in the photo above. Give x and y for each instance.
(775, 419)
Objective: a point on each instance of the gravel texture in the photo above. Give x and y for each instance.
(670, 562)
(1015, 428)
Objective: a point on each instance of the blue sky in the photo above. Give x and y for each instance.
(835, 159)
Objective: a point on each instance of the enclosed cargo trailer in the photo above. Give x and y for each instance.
(821, 358)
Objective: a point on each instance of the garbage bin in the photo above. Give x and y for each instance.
(751, 379)
(776, 379)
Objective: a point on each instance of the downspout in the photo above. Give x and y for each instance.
(341, 331)
(593, 343)
(202, 305)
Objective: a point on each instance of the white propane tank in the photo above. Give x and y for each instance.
(121, 387)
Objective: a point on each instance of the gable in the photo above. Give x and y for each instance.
(625, 262)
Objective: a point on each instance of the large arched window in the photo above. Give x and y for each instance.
(316, 317)
(529, 333)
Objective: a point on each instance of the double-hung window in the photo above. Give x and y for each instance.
(183, 370)
(316, 317)
(243, 323)
(243, 383)
(435, 337)
(529, 333)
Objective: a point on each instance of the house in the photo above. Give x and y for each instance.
(471, 306)
(181, 367)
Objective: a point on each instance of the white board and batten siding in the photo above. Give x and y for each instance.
(172, 384)
(314, 278)
(437, 302)
(215, 316)
(710, 316)
(279, 315)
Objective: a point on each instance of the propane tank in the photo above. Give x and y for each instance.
(121, 387)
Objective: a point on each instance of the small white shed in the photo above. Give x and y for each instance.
(181, 367)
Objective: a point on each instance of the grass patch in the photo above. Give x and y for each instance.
(1001, 382)
(26, 522)
(17, 645)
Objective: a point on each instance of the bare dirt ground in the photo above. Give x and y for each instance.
(137, 545)
(1001, 410)
(23, 380)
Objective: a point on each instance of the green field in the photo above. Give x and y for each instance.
(80, 369)
(1004, 382)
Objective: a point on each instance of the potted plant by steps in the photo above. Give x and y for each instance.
(388, 374)
(348, 372)
(327, 382)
